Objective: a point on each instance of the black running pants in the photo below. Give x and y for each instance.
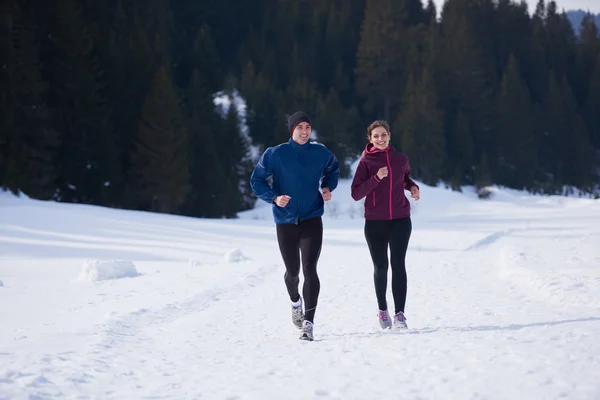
(380, 235)
(302, 242)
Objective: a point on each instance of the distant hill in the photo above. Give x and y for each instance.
(576, 16)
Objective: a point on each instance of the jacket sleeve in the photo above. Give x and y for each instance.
(331, 173)
(258, 179)
(409, 183)
(362, 183)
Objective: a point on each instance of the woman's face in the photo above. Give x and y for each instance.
(380, 138)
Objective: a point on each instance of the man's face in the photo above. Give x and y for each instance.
(302, 132)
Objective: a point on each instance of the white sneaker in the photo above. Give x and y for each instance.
(385, 322)
(307, 331)
(297, 315)
(400, 321)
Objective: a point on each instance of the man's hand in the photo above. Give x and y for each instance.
(414, 193)
(326, 194)
(282, 200)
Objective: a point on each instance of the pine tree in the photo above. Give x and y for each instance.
(204, 127)
(420, 128)
(517, 31)
(88, 161)
(330, 46)
(591, 110)
(128, 75)
(351, 16)
(381, 54)
(431, 12)
(341, 99)
(229, 20)
(418, 50)
(559, 111)
(560, 49)
(335, 125)
(33, 143)
(467, 73)
(156, 18)
(587, 52)
(513, 35)
(578, 153)
(536, 68)
(143, 58)
(341, 85)
(460, 150)
(206, 172)
(301, 94)
(206, 58)
(235, 163)
(262, 108)
(6, 119)
(515, 141)
(160, 170)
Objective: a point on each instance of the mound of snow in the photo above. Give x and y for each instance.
(195, 263)
(235, 255)
(1, 284)
(101, 270)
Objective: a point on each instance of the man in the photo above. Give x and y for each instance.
(298, 168)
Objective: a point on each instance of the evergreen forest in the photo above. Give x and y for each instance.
(112, 102)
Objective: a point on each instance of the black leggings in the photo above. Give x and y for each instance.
(306, 237)
(396, 234)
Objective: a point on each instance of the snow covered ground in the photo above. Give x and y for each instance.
(503, 303)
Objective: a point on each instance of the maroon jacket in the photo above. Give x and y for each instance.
(385, 197)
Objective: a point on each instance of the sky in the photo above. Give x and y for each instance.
(591, 5)
(503, 303)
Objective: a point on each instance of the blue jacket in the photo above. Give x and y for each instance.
(296, 171)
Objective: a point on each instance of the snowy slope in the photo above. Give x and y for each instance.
(503, 303)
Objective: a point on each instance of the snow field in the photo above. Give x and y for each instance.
(503, 302)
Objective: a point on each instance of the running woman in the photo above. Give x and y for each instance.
(382, 176)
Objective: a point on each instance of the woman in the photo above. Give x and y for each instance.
(382, 176)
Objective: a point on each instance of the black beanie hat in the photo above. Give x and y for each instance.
(295, 119)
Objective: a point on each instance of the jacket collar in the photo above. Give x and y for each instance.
(297, 145)
(371, 149)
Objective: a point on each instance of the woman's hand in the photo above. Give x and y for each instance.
(382, 173)
(414, 193)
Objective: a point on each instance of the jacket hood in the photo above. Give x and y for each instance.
(371, 149)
